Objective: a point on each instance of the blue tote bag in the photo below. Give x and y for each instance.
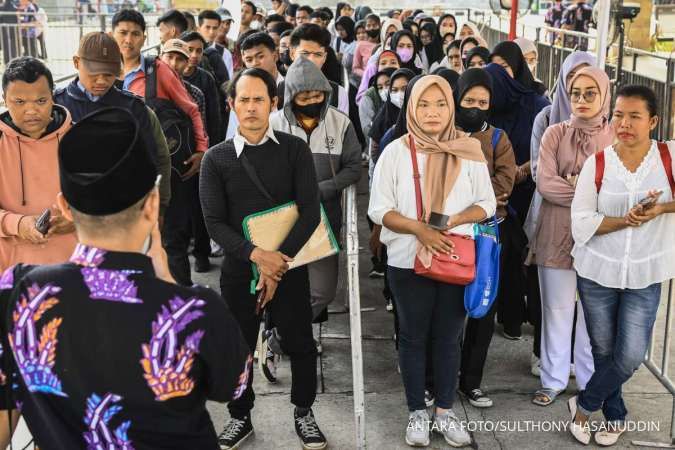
(481, 293)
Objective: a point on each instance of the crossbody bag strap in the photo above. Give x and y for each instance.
(416, 178)
(667, 164)
(250, 171)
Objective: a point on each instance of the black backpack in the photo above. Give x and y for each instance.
(176, 125)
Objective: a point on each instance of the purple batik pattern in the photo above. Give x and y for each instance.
(35, 358)
(166, 367)
(99, 435)
(7, 279)
(87, 256)
(110, 285)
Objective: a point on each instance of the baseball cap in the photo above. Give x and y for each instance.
(176, 46)
(100, 53)
(224, 14)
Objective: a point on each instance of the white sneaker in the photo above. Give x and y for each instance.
(535, 365)
(452, 430)
(417, 432)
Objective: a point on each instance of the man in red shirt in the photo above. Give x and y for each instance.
(129, 32)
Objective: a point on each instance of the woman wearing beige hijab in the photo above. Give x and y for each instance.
(455, 182)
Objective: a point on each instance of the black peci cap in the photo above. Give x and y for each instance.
(104, 165)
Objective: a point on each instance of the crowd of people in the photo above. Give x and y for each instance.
(107, 185)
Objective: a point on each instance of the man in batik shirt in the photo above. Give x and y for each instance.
(106, 351)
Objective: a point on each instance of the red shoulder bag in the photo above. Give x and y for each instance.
(458, 267)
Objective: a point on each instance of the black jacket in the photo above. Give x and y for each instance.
(207, 84)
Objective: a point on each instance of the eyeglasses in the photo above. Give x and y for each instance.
(589, 96)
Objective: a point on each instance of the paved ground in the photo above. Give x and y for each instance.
(507, 379)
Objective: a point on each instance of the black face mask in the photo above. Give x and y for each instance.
(285, 57)
(471, 119)
(373, 33)
(313, 110)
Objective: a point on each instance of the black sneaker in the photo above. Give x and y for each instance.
(202, 265)
(478, 398)
(308, 431)
(235, 432)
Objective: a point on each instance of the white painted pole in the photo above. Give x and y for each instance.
(603, 32)
(355, 316)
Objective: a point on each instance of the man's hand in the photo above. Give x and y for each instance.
(27, 230)
(270, 287)
(195, 161)
(158, 256)
(271, 264)
(58, 224)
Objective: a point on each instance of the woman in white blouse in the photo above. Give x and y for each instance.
(623, 222)
(455, 182)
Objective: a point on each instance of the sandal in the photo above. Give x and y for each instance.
(549, 394)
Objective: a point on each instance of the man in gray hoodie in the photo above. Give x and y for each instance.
(306, 113)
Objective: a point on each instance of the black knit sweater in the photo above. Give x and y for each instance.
(228, 195)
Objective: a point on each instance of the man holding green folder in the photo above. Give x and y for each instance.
(255, 171)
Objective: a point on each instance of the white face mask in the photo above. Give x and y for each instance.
(256, 25)
(383, 94)
(533, 68)
(396, 98)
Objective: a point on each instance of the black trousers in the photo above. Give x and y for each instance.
(512, 282)
(534, 308)
(202, 249)
(178, 226)
(477, 338)
(291, 313)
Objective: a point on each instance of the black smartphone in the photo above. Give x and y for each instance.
(42, 223)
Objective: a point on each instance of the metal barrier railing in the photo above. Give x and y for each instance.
(661, 371)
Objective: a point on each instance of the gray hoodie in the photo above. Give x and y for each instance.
(335, 147)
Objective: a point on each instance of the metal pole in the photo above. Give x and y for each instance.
(355, 318)
(514, 20)
(603, 34)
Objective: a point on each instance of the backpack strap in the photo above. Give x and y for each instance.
(599, 169)
(667, 164)
(150, 78)
(496, 136)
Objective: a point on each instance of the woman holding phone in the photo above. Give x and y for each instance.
(454, 182)
(623, 217)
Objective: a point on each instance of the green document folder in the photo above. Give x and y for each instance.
(269, 228)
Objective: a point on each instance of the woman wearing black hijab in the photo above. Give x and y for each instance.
(406, 46)
(508, 55)
(434, 49)
(449, 75)
(344, 28)
(388, 114)
(473, 98)
(477, 57)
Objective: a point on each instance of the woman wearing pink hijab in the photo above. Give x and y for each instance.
(564, 148)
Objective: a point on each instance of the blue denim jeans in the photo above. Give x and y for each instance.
(426, 310)
(620, 323)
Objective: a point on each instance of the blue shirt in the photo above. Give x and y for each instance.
(129, 77)
(90, 96)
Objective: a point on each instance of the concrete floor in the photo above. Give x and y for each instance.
(507, 379)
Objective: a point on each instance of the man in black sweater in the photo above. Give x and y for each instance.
(284, 166)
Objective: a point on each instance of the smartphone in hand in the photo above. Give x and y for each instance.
(42, 222)
(650, 200)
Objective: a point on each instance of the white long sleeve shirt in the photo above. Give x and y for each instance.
(393, 189)
(631, 258)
